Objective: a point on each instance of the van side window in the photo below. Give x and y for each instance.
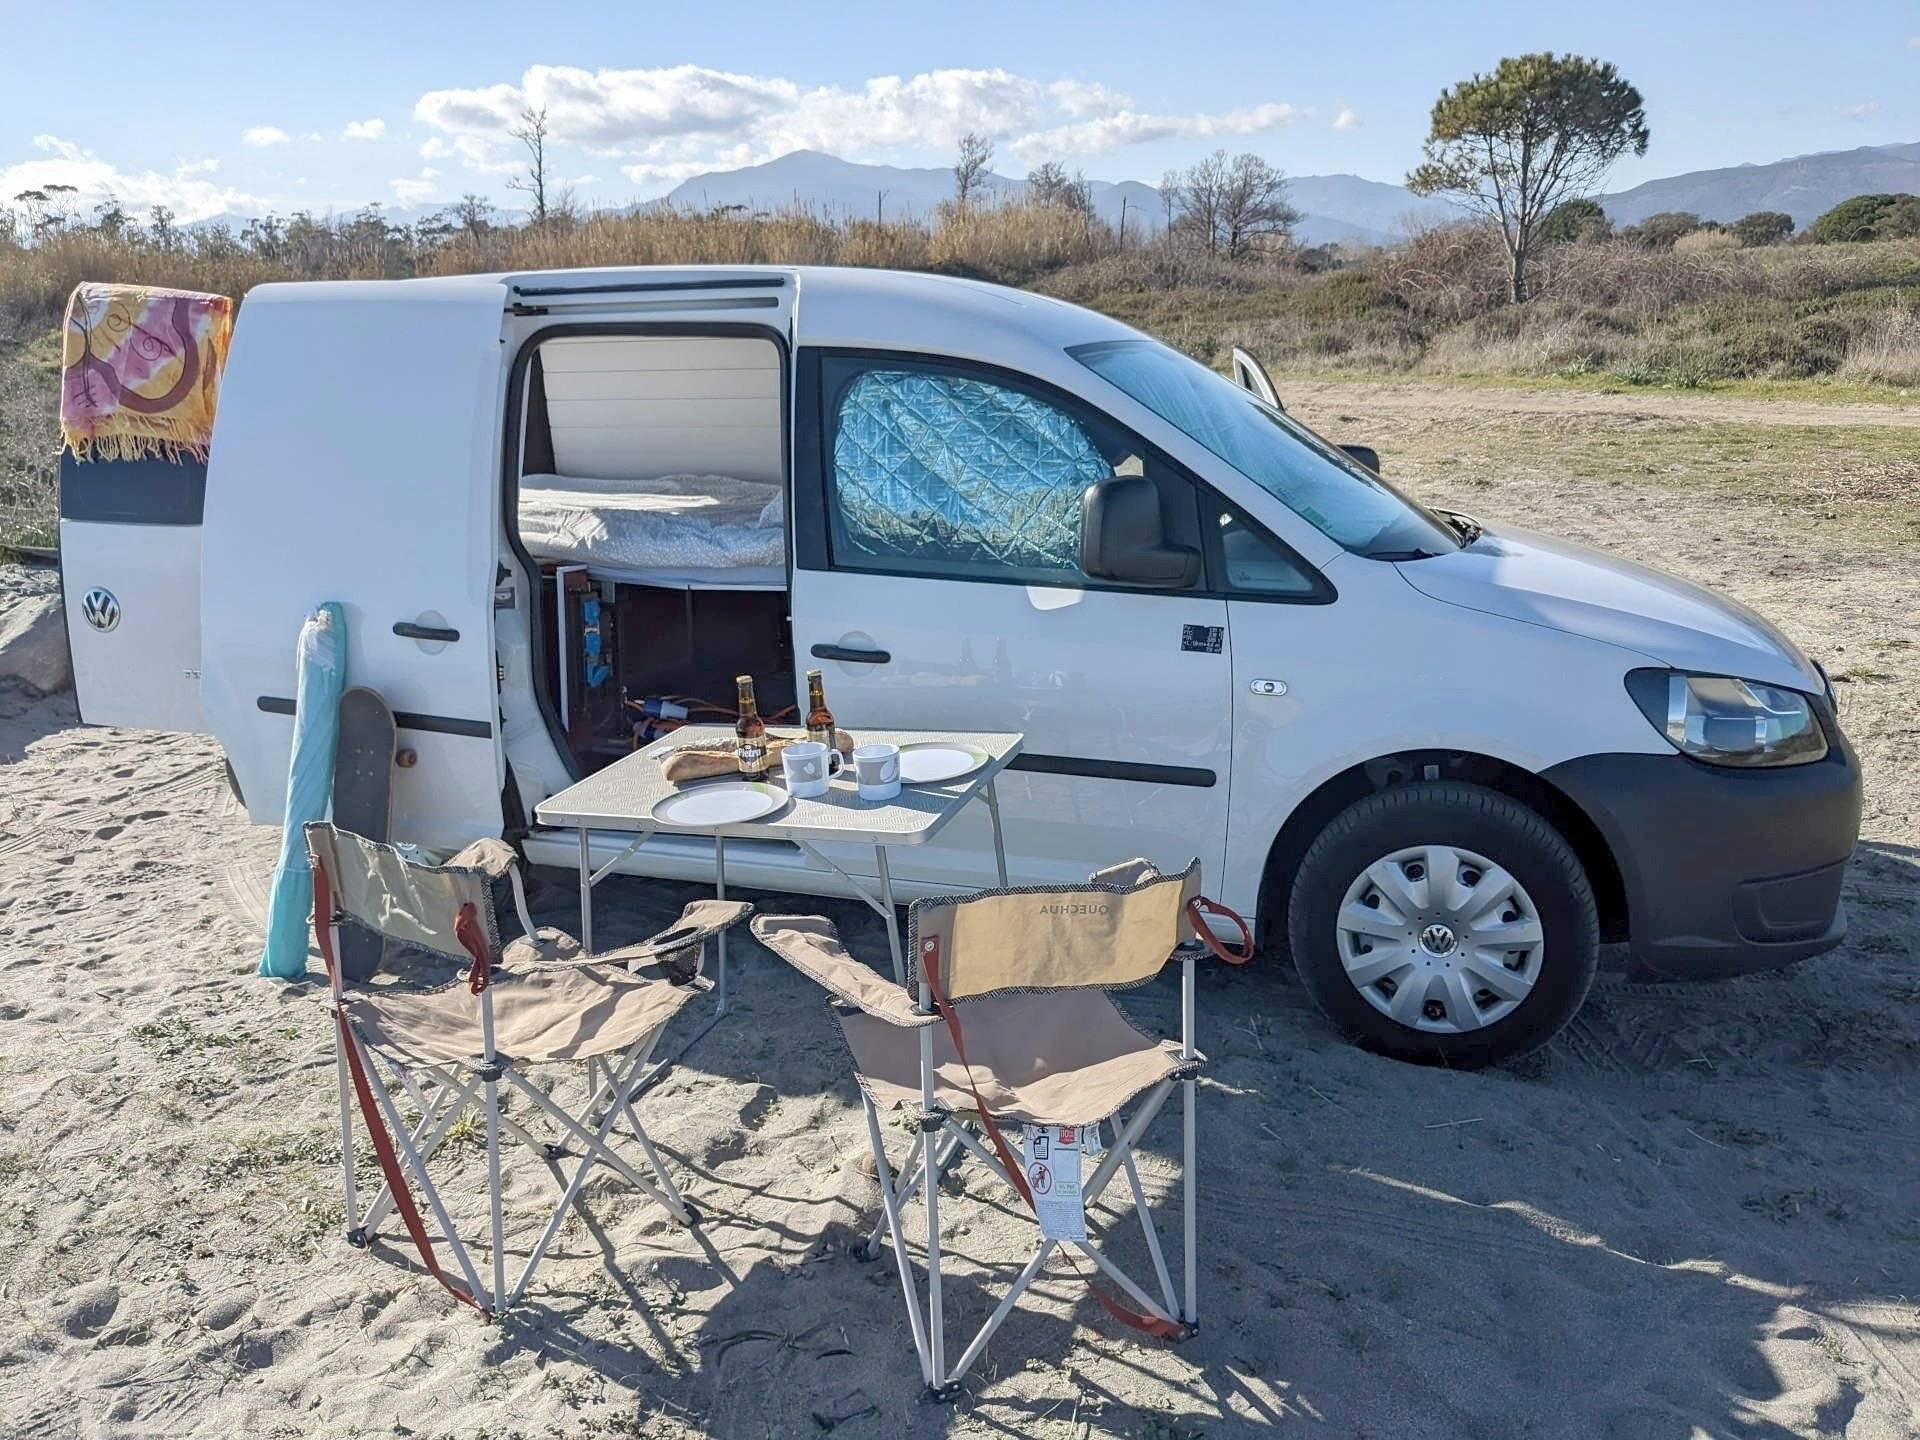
(1249, 562)
(943, 471)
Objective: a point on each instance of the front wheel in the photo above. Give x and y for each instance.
(1444, 923)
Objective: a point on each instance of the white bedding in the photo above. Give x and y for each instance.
(676, 525)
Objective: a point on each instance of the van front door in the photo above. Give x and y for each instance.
(938, 585)
(357, 459)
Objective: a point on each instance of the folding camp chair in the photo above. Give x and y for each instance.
(450, 1049)
(1019, 978)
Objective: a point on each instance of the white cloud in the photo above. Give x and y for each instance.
(261, 136)
(411, 190)
(185, 190)
(678, 121)
(1913, 42)
(435, 149)
(1084, 97)
(1134, 127)
(1860, 111)
(364, 129)
(1347, 119)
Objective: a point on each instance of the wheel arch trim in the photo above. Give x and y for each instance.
(1343, 788)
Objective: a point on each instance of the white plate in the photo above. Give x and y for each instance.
(728, 803)
(935, 762)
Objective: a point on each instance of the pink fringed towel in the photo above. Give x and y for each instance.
(141, 371)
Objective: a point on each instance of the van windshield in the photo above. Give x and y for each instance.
(1319, 482)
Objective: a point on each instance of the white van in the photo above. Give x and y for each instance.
(1440, 762)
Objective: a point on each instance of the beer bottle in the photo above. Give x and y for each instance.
(819, 718)
(750, 731)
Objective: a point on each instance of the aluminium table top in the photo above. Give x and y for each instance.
(622, 796)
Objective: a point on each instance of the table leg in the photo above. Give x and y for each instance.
(999, 840)
(888, 913)
(720, 941)
(586, 894)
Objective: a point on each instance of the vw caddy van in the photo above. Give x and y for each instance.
(1439, 761)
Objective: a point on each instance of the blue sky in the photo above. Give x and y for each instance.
(249, 107)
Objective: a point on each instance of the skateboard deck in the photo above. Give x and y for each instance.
(363, 803)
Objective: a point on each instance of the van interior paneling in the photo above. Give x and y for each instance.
(652, 499)
(635, 407)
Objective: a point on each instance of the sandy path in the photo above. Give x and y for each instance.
(1696, 1214)
(1407, 399)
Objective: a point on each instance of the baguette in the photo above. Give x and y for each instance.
(709, 759)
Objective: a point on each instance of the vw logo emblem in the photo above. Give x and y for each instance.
(1437, 940)
(100, 608)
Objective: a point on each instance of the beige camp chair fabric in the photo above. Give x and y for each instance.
(812, 946)
(699, 922)
(546, 946)
(554, 1013)
(493, 857)
(1102, 934)
(1044, 1059)
(383, 890)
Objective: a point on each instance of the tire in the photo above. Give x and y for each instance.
(1442, 936)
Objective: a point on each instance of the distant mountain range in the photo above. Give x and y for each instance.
(1804, 186)
(847, 188)
(1335, 208)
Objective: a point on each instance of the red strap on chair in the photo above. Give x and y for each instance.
(1198, 909)
(466, 929)
(370, 1110)
(1126, 1315)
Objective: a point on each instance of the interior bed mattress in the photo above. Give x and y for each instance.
(693, 525)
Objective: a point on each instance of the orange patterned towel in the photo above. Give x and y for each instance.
(142, 367)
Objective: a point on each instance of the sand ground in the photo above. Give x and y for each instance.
(1696, 1214)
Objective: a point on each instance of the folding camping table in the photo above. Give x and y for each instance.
(621, 799)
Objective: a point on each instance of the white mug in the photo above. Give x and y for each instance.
(808, 766)
(877, 768)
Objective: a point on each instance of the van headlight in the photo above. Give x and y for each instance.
(1725, 721)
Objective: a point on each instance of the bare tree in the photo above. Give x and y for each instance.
(1227, 207)
(1193, 198)
(1253, 205)
(970, 170)
(531, 131)
(1049, 184)
(472, 215)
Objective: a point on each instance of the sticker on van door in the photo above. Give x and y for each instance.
(1207, 639)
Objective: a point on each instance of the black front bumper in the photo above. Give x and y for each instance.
(1726, 871)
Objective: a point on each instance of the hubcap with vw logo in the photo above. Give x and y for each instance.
(101, 610)
(1440, 938)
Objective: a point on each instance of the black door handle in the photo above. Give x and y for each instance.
(849, 654)
(409, 630)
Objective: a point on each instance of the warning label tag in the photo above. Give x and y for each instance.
(1053, 1174)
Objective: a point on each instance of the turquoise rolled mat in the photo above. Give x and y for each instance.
(316, 722)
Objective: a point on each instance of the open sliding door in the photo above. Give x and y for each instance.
(357, 460)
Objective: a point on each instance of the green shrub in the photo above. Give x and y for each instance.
(1868, 217)
(1762, 227)
(1575, 220)
(1658, 232)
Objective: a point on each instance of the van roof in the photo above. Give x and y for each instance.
(833, 305)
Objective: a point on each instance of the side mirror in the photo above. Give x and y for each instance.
(1366, 455)
(1121, 537)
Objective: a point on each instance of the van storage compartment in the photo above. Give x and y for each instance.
(628, 648)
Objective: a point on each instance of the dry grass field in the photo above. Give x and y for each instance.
(1697, 1214)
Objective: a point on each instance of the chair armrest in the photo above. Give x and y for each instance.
(812, 946)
